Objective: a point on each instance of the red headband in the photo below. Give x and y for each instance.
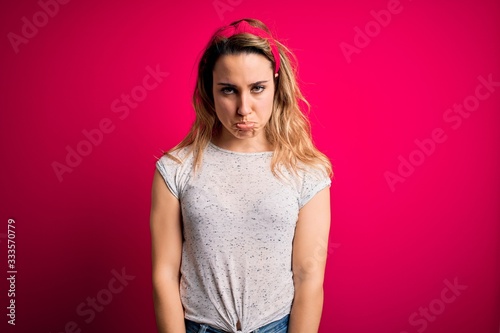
(243, 27)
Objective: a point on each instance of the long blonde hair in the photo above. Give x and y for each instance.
(288, 129)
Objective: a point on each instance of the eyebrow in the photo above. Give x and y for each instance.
(234, 86)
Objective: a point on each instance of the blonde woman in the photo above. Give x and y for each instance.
(241, 205)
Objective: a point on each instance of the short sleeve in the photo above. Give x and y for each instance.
(176, 173)
(314, 180)
(168, 169)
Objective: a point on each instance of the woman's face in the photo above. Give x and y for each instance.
(243, 90)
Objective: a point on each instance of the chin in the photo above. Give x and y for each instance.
(245, 134)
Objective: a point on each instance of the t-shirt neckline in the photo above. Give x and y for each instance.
(213, 145)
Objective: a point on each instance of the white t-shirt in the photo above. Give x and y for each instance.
(238, 227)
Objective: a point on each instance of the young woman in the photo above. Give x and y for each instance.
(241, 207)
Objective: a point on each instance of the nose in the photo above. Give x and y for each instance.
(244, 107)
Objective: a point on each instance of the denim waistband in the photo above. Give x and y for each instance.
(278, 326)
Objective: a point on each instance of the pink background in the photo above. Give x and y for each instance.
(395, 244)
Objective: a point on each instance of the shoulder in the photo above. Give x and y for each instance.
(180, 155)
(175, 159)
(313, 171)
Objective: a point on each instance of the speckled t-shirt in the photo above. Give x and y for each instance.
(238, 227)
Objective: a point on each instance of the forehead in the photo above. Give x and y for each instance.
(243, 66)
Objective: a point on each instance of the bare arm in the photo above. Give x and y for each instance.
(308, 263)
(166, 239)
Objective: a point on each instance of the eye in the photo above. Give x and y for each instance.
(227, 90)
(258, 89)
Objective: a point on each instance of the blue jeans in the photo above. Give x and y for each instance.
(278, 326)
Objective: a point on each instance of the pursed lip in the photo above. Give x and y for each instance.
(245, 125)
